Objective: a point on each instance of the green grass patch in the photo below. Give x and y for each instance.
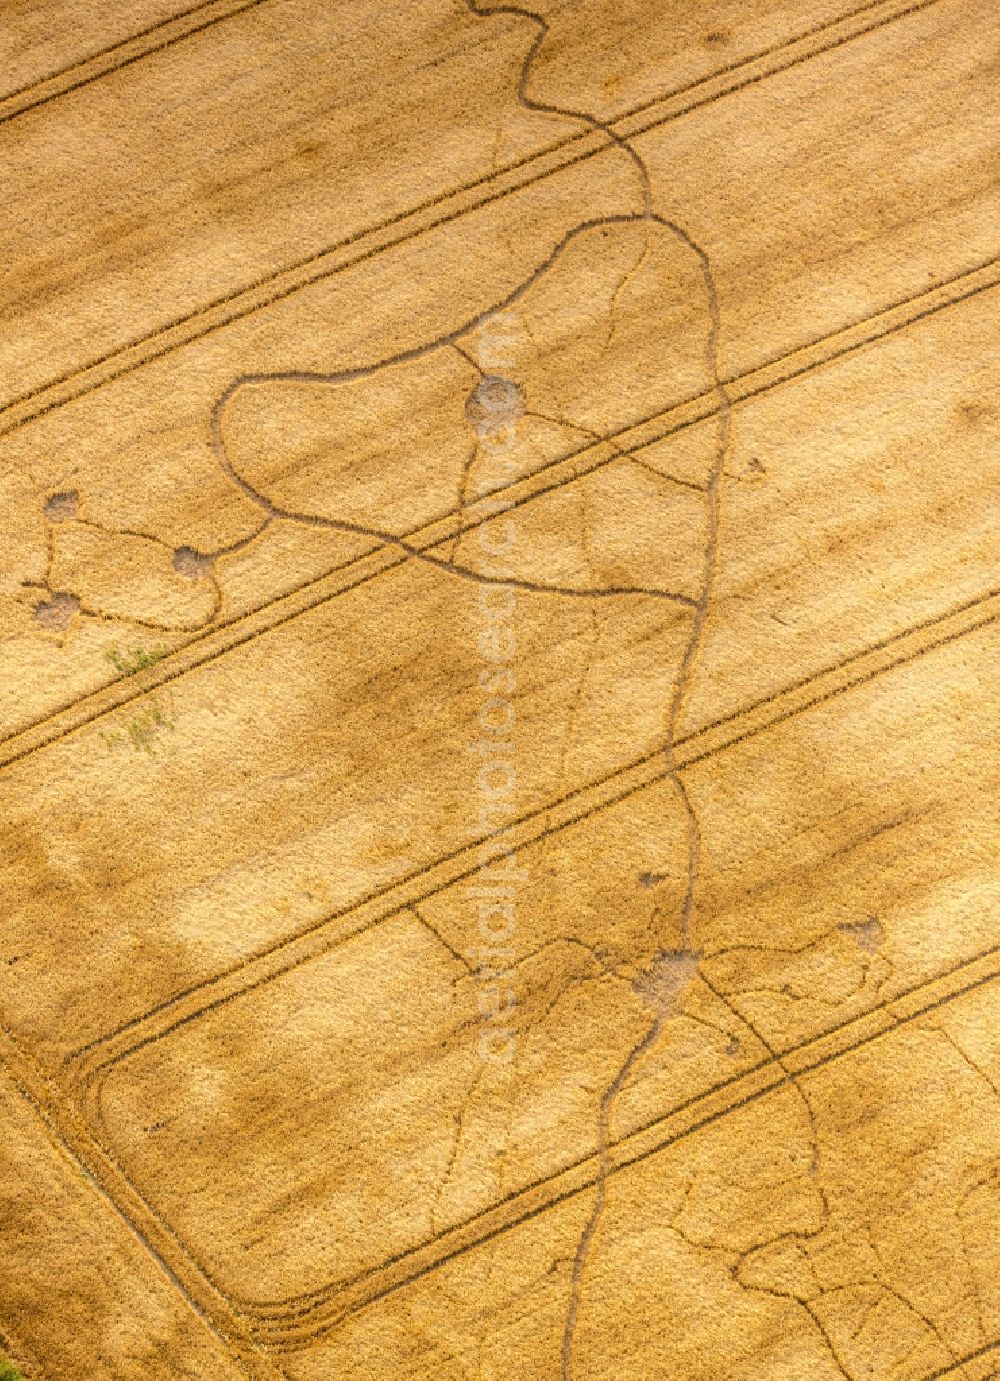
(128, 662)
(8, 1371)
(142, 730)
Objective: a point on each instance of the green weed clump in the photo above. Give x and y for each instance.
(142, 730)
(127, 663)
(8, 1371)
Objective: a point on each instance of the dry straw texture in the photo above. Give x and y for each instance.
(499, 716)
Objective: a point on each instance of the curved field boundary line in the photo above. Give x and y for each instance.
(63, 1128)
(290, 1325)
(293, 1324)
(296, 1323)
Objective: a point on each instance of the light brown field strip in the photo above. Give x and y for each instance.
(498, 757)
(220, 640)
(652, 1225)
(291, 1324)
(694, 748)
(824, 38)
(816, 1050)
(838, 276)
(42, 41)
(172, 29)
(755, 719)
(436, 212)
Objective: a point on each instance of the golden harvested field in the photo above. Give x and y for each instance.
(499, 727)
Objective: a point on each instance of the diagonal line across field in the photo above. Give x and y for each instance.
(134, 48)
(289, 1325)
(692, 748)
(296, 1162)
(442, 209)
(982, 1355)
(220, 640)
